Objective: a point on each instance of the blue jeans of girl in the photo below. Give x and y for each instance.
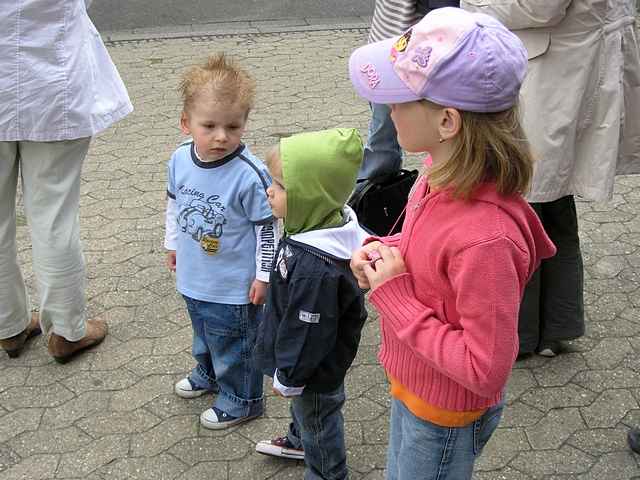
(318, 428)
(223, 340)
(421, 450)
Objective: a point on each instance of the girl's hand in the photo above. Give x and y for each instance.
(258, 292)
(388, 264)
(171, 260)
(360, 258)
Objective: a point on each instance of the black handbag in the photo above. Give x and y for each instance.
(379, 202)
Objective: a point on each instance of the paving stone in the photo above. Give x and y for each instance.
(123, 353)
(376, 432)
(613, 466)
(504, 474)
(178, 364)
(180, 342)
(53, 373)
(602, 380)
(362, 377)
(108, 423)
(521, 380)
(163, 436)
(8, 458)
(49, 441)
(37, 467)
(362, 409)
(207, 471)
(519, 414)
(502, 447)
(93, 456)
(365, 458)
(100, 380)
(566, 460)
(609, 408)
(84, 405)
(560, 370)
(608, 306)
(194, 450)
(599, 440)
(170, 405)
(554, 428)
(160, 467)
(142, 392)
(570, 395)
(19, 421)
(13, 377)
(27, 397)
(258, 467)
(608, 353)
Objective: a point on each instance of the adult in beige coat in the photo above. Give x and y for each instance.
(581, 107)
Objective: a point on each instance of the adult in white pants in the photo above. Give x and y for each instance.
(58, 88)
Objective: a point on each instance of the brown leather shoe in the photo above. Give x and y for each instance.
(62, 350)
(14, 345)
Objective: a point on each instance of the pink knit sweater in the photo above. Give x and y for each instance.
(450, 323)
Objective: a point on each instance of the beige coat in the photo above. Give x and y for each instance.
(581, 97)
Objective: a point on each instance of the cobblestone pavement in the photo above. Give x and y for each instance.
(111, 413)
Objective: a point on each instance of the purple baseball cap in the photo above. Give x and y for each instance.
(451, 57)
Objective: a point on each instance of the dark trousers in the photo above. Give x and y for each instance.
(318, 427)
(552, 308)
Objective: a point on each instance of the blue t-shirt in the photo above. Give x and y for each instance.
(218, 205)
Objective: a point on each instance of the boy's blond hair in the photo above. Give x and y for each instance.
(221, 78)
(490, 147)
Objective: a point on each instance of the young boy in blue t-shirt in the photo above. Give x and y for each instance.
(220, 237)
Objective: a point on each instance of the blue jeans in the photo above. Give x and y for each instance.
(318, 427)
(382, 154)
(223, 341)
(421, 450)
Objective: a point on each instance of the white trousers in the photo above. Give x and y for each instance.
(50, 173)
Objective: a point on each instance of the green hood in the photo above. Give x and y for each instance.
(319, 171)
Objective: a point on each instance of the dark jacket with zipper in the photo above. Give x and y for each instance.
(314, 315)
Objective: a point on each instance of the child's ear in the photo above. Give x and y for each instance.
(450, 123)
(184, 123)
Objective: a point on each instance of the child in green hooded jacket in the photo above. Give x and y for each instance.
(315, 309)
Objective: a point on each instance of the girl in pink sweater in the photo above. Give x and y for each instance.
(448, 287)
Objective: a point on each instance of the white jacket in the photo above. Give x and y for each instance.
(57, 81)
(581, 97)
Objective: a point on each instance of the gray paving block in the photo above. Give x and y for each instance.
(110, 423)
(93, 456)
(206, 471)
(554, 429)
(160, 467)
(609, 408)
(566, 460)
(37, 467)
(49, 441)
(19, 421)
(194, 450)
(163, 436)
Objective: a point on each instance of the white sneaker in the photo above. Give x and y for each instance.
(280, 447)
(215, 419)
(185, 389)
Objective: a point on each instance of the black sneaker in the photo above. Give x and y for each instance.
(216, 419)
(280, 447)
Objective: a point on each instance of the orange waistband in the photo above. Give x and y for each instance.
(431, 413)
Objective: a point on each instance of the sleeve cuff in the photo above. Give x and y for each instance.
(283, 389)
(262, 276)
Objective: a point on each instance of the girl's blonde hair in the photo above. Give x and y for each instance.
(490, 147)
(222, 79)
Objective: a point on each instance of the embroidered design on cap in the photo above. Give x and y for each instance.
(400, 46)
(373, 77)
(421, 56)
